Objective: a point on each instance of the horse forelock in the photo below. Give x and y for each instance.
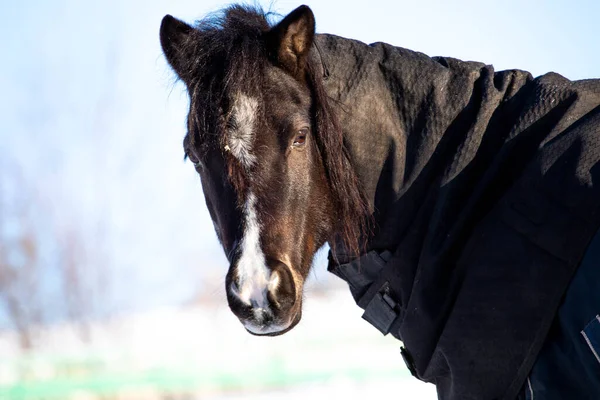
(228, 56)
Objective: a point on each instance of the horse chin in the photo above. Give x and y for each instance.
(284, 329)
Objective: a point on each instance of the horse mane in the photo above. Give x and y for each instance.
(229, 55)
(348, 196)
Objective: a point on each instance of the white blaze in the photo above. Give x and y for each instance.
(252, 272)
(241, 137)
(254, 278)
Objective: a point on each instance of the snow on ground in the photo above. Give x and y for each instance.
(404, 388)
(202, 350)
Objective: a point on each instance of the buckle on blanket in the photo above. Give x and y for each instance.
(370, 287)
(381, 311)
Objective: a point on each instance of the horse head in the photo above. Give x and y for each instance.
(275, 171)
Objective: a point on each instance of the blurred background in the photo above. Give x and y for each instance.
(111, 277)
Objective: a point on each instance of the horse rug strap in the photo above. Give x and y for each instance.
(369, 284)
(370, 288)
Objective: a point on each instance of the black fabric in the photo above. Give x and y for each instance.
(485, 187)
(568, 366)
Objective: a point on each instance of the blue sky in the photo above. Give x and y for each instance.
(90, 111)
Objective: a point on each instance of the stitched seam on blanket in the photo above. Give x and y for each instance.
(588, 341)
(530, 388)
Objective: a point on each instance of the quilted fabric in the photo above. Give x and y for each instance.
(485, 187)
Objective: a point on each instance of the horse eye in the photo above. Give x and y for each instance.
(300, 138)
(197, 164)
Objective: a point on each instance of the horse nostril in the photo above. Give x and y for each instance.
(234, 287)
(281, 289)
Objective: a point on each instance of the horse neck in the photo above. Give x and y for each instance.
(384, 96)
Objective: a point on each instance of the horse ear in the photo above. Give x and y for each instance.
(174, 36)
(290, 40)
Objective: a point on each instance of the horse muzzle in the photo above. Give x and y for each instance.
(266, 298)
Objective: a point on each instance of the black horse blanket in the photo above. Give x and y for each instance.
(496, 194)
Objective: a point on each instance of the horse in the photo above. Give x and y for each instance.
(458, 201)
